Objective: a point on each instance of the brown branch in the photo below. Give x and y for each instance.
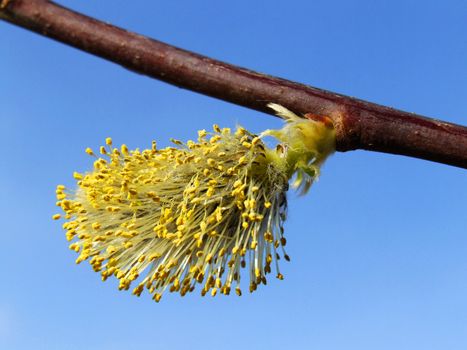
(359, 124)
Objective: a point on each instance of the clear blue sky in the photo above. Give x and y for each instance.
(379, 246)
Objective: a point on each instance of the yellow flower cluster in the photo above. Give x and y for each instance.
(195, 213)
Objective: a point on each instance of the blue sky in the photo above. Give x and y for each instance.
(378, 247)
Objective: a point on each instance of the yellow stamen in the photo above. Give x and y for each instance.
(193, 212)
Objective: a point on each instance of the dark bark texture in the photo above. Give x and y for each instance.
(359, 124)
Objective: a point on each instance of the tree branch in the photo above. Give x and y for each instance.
(359, 124)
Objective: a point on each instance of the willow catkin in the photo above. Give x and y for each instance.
(195, 213)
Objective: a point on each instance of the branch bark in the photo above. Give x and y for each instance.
(359, 124)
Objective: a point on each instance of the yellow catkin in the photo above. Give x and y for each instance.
(194, 213)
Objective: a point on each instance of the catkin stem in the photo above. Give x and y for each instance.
(359, 124)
